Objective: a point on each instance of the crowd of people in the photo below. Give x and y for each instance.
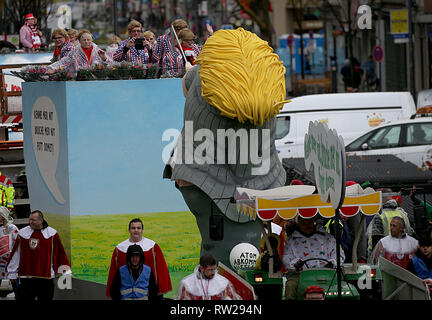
(76, 49)
(138, 270)
(356, 76)
(31, 258)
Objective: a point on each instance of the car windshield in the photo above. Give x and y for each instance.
(356, 144)
(387, 137)
(282, 127)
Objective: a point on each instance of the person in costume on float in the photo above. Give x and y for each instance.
(206, 284)
(8, 235)
(134, 280)
(86, 54)
(127, 51)
(29, 36)
(190, 49)
(36, 257)
(224, 94)
(397, 247)
(307, 241)
(153, 257)
(421, 264)
(73, 36)
(63, 46)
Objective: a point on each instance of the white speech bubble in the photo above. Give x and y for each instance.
(45, 134)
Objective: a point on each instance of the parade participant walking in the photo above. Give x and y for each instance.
(36, 258)
(84, 55)
(128, 50)
(8, 235)
(63, 46)
(7, 191)
(398, 247)
(134, 280)
(30, 37)
(153, 257)
(206, 284)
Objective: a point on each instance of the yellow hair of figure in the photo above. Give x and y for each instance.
(241, 76)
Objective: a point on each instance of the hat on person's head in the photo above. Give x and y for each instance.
(296, 182)
(29, 16)
(350, 183)
(134, 249)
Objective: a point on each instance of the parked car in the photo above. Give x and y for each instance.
(410, 140)
(350, 114)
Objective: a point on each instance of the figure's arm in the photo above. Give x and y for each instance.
(188, 67)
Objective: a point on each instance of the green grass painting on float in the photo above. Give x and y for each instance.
(94, 237)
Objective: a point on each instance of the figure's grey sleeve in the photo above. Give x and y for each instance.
(191, 76)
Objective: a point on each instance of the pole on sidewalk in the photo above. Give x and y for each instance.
(115, 18)
(411, 49)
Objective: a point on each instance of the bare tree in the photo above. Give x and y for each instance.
(15, 10)
(258, 11)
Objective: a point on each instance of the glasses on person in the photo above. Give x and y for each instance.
(57, 38)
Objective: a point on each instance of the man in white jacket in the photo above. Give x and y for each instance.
(206, 284)
(398, 247)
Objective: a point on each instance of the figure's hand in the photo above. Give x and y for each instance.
(188, 66)
(146, 44)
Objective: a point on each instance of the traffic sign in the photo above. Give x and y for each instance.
(208, 21)
(378, 53)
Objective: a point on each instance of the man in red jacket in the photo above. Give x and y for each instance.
(35, 259)
(153, 257)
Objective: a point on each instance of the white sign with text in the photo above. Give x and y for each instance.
(45, 135)
(325, 151)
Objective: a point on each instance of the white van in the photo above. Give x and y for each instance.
(350, 114)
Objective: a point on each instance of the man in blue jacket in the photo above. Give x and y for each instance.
(134, 280)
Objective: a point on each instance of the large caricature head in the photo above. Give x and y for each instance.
(241, 76)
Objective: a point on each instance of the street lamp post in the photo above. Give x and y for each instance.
(115, 18)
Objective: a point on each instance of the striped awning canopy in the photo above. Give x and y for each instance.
(290, 201)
